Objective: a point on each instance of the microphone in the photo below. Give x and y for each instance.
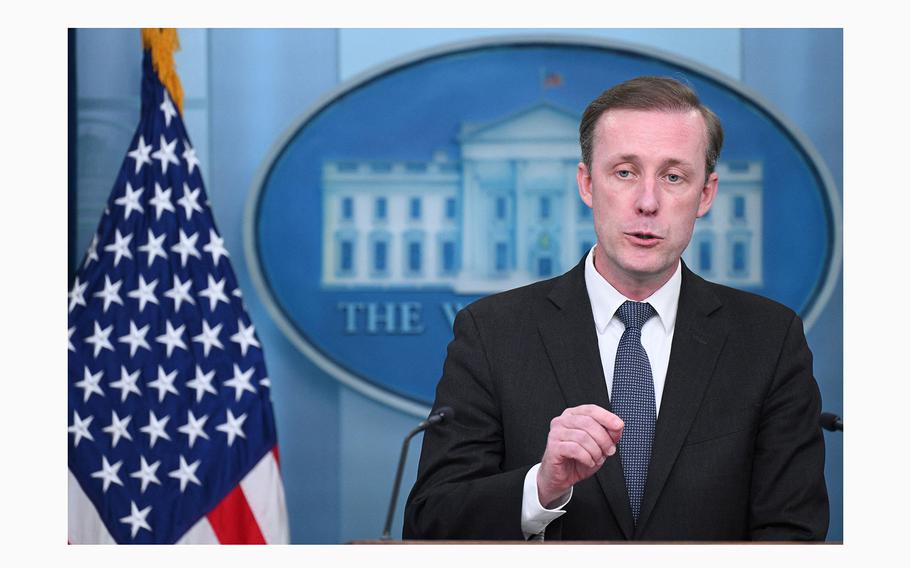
(831, 422)
(441, 414)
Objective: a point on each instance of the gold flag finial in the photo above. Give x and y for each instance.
(163, 42)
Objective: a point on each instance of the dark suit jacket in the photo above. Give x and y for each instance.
(737, 453)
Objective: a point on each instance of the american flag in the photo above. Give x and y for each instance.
(171, 432)
(551, 79)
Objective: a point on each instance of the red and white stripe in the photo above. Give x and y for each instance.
(253, 513)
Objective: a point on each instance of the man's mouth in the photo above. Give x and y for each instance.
(643, 235)
(643, 238)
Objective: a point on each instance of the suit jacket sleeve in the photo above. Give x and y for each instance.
(789, 500)
(462, 490)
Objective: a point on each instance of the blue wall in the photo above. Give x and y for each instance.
(245, 87)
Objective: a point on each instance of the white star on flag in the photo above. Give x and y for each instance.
(92, 251)
(245, 337)
(186, 473)
(130, 201)
(144, 292)
(69, 339)
(156, 428)
(164, 383)
(136, 519)
(110, 294)
(215, 292)
(189, 154)
(189, 201)
(162, 201)
(193, 428)
(232, 426)
(215, 247)
(186, 247)
(120, 247)
(202, 383)
(171, 338)
(127, 383)
(89, 384)
(80, 428)
(146, 473)
(167, 107)
(99, 339)
(108, 473)
(180, 292)
(240, 382)
(165, 154)
(141, 154)
(77, 294)
(118, 428)
(153, 247)
(209, 337)
(136, 338)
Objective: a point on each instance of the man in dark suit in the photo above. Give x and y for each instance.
(628, 398)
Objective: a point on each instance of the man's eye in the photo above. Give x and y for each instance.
(673, 178)
(624, 174)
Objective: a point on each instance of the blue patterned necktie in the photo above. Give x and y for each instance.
(633, 400)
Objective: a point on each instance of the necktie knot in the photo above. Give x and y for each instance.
(635, 314)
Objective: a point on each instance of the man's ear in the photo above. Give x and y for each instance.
(585, 189)
(708, 192)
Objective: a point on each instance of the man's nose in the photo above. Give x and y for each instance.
(647, 201)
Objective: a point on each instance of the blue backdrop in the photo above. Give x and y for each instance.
(245, 88)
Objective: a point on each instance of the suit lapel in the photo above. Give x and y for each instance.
(697, 341)
(570, 338)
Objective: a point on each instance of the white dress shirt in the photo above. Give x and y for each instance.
(656, 338)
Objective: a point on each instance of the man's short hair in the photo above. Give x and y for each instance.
(651, 93)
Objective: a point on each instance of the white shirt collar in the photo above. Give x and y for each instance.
(605, 299)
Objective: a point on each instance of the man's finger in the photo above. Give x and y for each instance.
(577, 452)
(603, 416)
(591, 427)
(583, 439)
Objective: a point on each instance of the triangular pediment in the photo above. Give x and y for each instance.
(543, 121)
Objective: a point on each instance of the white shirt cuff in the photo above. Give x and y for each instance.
(534, 517)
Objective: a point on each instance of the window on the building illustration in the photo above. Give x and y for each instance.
(347, 208)
(346, 258)
(739, 258)
(544, 266)
(380, 253)
(381, 208)
(415, 208)
(448, 256)
(450, 208)
(544, 207)
(500, 208)
(739, 208)
(704, 256)
(414, 257)
(502, 257)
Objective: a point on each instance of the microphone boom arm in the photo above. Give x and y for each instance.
(387, 531)
(434, 418)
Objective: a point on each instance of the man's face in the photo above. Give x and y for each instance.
(647, 186)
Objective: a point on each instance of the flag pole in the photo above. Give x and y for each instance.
(163, 42)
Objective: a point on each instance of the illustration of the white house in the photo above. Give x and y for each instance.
(504, 214)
